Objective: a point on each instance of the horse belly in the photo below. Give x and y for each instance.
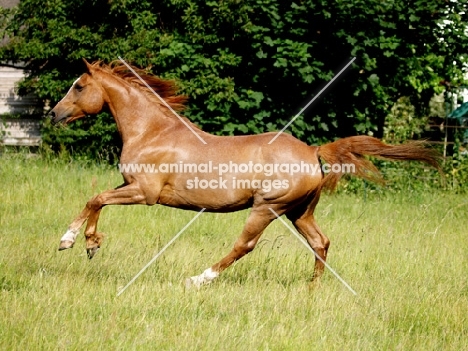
(233, 193)
(212, 200)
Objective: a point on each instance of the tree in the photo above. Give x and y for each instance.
(249, 66)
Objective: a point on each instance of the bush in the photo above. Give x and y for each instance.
(247, 66)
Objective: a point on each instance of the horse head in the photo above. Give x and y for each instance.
(85, 97)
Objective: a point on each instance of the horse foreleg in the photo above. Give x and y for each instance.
(93, 238)
(253, 229)
(126, 195)
(68, 239)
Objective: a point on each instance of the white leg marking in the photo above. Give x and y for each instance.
(70, 235)
(205, 278)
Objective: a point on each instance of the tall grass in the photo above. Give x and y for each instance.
(403, 252)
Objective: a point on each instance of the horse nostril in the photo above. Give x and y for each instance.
(52, 114)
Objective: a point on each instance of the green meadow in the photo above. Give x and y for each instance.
(404, 253)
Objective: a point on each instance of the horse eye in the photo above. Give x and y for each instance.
(78, 87)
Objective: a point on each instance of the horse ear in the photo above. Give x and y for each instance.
(89, 66)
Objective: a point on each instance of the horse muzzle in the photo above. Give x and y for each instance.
(57, 117)
(64, 116)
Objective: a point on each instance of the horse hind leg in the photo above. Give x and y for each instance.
(258, 220)
(318, 241)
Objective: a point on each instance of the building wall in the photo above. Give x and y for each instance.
(10, 102)
(8, 3)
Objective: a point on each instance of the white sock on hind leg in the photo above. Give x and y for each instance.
(205, 278)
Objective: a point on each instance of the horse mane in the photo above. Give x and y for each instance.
(165, 88)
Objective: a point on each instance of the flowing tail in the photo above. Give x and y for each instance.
(351, 151)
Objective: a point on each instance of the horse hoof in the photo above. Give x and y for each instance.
(92, 251)
(195, 282)
(315, 284)
(190, 283)
(65, 244)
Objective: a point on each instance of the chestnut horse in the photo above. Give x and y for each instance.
(220, 174)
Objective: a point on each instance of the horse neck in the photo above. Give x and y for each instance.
(134, 113)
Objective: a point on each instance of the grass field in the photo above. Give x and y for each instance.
(404, 254)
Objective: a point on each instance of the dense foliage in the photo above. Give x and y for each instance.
(247, 66)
